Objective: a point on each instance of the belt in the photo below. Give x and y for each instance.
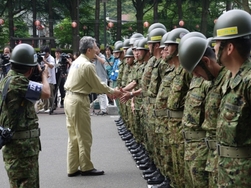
(160, 112)
(234, 152)
(174, 114)
(193, 135)
(211, 144)
(27, 134)
(151, 100)
(75, 93)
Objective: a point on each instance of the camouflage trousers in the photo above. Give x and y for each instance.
(177, 176)
(234, 172)
(150, 131)
(139, 132)
(123, 113)
(130, 118)
(23, 172)
(211, 168)
(162, 147)
(195, 163)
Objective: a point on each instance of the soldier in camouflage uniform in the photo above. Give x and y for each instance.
(175, 106)
(232, 34)
(204, 65)
(142, 57)
(21, 154)
(193, 117)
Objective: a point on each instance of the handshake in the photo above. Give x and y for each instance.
(120, 93)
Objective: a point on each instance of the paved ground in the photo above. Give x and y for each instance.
(108, 153)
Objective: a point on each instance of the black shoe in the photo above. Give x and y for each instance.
(93, 172)
(127, 136)
(120, 118)
(62, 106)
(123, 132)
(151, 175)
(120, 124)
(144, 166)
(164, 184)
(145, 160)
(142, 152)
(101, 113)
(128, 144)
(140, 157)
(156, 180)
(74, 174)
(133, 146)
(137, 150)
(149, 170)
(121, 127)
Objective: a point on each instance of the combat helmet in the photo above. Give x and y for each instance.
(162, 44)
(232, 24)
(134, 37)
(191, 34)
(175, 35)
(24, 54)
(118, 46)
(156, 35)
(126, 44)
(142, 45)
(156, 25)
(191, 51)
(129, 53)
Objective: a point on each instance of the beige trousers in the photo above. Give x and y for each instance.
(78, 122)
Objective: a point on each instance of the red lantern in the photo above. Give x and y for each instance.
(174, 26)
(215, 20)
(1, 21)
(110, 24)
(130, 28)
(181, 23)
(146, 24)
(84, 27)
(14, 28)
(74, 24)
(197, 26)
(37, 23)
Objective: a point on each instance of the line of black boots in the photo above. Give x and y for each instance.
(150, 173)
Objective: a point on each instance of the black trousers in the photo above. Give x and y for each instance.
(60, 87)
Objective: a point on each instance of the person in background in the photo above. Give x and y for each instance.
(5, 57)
(99, 63)
(81, 81)
(108, 66)
(50, 62)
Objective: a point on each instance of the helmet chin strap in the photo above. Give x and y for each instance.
(174, 54)
(209, 74)
(222, 45)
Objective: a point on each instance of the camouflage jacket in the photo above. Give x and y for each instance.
(27, 119)
(194, 109)
(233, 125)
(212, 103)
(121, 70)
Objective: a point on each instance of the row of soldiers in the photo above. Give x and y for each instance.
(186, 104)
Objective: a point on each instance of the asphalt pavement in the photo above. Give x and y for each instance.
(108, 153)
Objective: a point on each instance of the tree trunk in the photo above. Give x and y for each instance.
(180, 12)
(205, 7)
(155, 11)
(96, 28)
(34, 28)
(51, 18)
(11, 23)
(139, 6)
(75, 30)
(119, 11)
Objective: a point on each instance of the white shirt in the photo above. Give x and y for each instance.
(52, 73)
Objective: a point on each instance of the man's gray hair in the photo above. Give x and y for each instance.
(85, 43)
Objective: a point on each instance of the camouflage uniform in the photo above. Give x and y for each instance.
(195, 148)
(233, 130)
(161, 119)
(212, 103)
(175, 105)
(151, 95)
(145, 80)
(122, 83)
(129, 113)
(138, 124)
(20, 155)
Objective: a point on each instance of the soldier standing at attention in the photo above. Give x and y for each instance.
(232, 33)
(21, 154)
